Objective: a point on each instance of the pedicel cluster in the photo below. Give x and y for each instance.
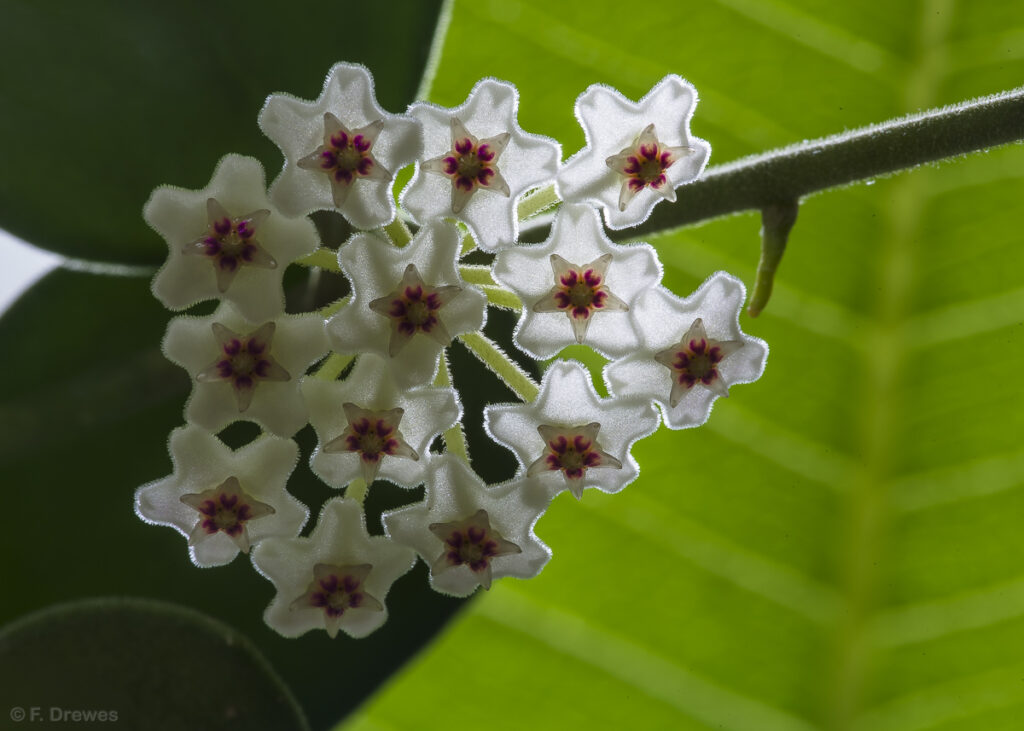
(370, 372)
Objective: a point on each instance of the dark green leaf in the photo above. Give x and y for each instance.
(139, 664)
(86, 406)
(104, 101)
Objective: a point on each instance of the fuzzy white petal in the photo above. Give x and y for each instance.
(576, 236)
(180, 216)
(428, 411)
(454, 492)
(339, 539)
(528, 161)
(567, 398)
(296, 126)
(611, 122)
(661, 319)
(201, 462)
(375, 268)
(277, 406)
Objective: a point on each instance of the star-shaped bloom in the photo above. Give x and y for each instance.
(572, 451)
(415, 307)
(575, 278)
(692, 350)
(637, 153)
(341, 151)
(336, 579)
(469, 533)
(369, 427)
(226, 241)
(569, 438)
(407, 302)
(243, 371)
(221, 500)
(479, 163)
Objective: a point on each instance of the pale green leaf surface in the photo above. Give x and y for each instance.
(839, 547)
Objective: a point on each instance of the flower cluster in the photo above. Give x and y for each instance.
(370, 371)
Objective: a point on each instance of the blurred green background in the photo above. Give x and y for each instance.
(838, 548)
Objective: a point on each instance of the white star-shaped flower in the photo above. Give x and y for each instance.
(246, 371)
(577, 286)
(226, 241)
(571, 438)
(223, 501)
(479, 162)
(637, 153)
(691, 351)
(407, 303)
(337, 578)
(469, 533)
(369, 427)
(341, 151)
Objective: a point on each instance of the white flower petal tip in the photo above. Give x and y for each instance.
(692, 351)
(637, 153)
(479, 162)
(470, 534)
(241, 371)
(337, 579)
(341, 151)
(407, 303)
(224, 501)
(369, 427)
(578, 286)
(226, 241)
(569, 438)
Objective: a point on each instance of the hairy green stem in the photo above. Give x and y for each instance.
(476, 274)
(788, 174)
(491, 355)
(357, 490)
(776, 223)
(398, 232)
(335, 306)
(454, 437)
(501, 297)
(332, 367)
(323, 257)
(537, 201)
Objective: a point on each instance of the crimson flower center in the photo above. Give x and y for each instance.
(471, 546)
(224, 513)
(698, 362)
(650, 168)
(581, 294)
(348, 156)
(229, 240)
(337, 594)
(417, 312)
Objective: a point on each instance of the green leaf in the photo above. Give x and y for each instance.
(839, 547)
(86, 405)
(106, 100)
(141, 664)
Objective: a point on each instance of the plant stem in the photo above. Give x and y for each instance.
(335, 306)
(788, 174)
(476, 274)
(536, 202)
(398, 232)
(323, 257)
(332, 367)
(501, 297)
(491, 355)
(357, 489)
(455, 437)
(776, 223)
